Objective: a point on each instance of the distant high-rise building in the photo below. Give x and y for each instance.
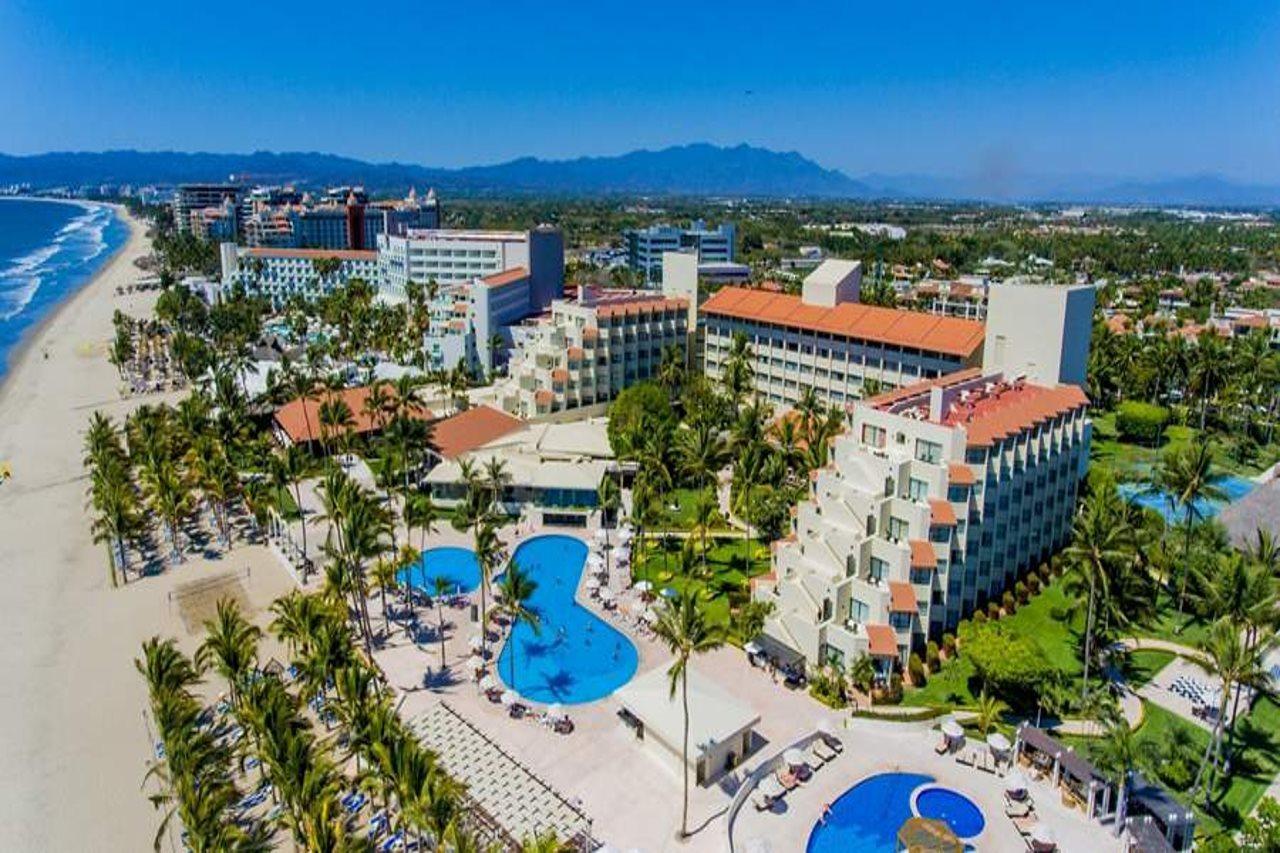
(646, 245)
(192, 198)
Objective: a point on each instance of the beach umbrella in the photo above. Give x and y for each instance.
(606, 594)
(998, 742)
(794, 758)
(952, 729)
(475, 662)
(594, 559)
(488, 683)
(555, 711)
(476, 642)
(509, 698)
(644, 586)
(771, 787)
(1015, 783)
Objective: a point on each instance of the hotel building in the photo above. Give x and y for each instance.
(826, 339)
(280, 274)
(591, 348)
(645, 246)
(939, 495)
(190, 199)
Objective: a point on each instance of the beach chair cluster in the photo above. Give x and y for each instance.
(796, 768)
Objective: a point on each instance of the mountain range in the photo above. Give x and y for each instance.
(698, 169)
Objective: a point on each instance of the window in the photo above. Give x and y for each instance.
(858, 611)
(957, 494)
(928, 451)
(900, 621)
(877, 569)
(923, 577)
(873, 435)
(898, 528)
(917, 490)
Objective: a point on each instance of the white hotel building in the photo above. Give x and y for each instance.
(280, 274)
(939, 495)
(826, 339)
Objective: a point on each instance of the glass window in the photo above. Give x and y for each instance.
(928, 451)
(917, 490)
(873, 435)
(898, 528)
(877, 569)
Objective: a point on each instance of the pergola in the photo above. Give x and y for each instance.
(1066, 769)
(1156, 814)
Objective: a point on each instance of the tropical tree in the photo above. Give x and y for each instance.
(1189, 477)
(1100, 539)
(230, 647)
(517, 590)
(683, 627)
(489, 555)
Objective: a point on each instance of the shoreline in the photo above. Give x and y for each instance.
(25, 344)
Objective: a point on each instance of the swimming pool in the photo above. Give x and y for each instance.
(960, 813)
(458, 567)
(867, 817)
(1162, 502)
(575, 657)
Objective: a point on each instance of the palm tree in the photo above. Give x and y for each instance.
(169, 498)
(546, 842)
(440, 588)
(1118, 753)
(517, 589)
(610, 500)
(420, 511)
(231, 646)
(987, 712)
(288, 469)
(1210, 370)
(682, 625)
(1188, 476)
(385, 575)
(1099, 540)
(702, 452)
(497, 476)
(706, 512)
(489, 554)
(117, 519)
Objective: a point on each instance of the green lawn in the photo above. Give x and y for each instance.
(1052, 619)
(1173, 626)
(678, 510)
(1133, 461)
(727, 567)
(1144, 664)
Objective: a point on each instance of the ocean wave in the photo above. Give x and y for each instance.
(75, 244)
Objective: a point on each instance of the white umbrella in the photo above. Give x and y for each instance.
(1042, 834)
(475, 662)
(555, 711)
(794, 758)
(601, 534)
(638, 607)
(623, 553)
(644, 586)
(1015, 782)
(488, 683)
(509, 697)
(952, 729)
(476, 642)
(594, 560)
(827, 727)
(771, 787)
(998, 742)
(624, 535)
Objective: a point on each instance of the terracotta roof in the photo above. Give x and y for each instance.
(930, 332)
(882, 642)
(922, 555)
(505, 277)
(888, 398)
(316, 254)
(1119, 323)
(902, 597)
(942, 512)
(304, 424)
(634, 308)
(996, 417)
(543, 396)
(589, 333)
(960, 474)
(559, 375)
(470, 429)
(576, 352)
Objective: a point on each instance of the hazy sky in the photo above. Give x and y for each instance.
(1123, 87)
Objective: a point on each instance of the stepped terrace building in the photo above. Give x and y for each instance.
(826, 339)
(279, 273)
(937, 497)
(591, 348)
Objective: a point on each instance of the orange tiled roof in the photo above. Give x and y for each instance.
(960, 474)
(576, 352)
(902, 597)
(559, 375)
(505, 277)
(543, 396)
(470, 429)
(1017, 409)
(302, 423)
(930, 332)
(882, 642)
(942, 512)
(642, 306)
(340, 254)
(922, 555)
(888, 398)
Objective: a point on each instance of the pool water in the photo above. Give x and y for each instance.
(575, 656)
(458, 567)
(1162, 502)
(867, 817)
(957, 810)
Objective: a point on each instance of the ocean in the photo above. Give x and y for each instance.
(48, 251)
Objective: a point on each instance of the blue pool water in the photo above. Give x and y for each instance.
(867, 817)
(1234, 488)
(957, 810)
(574, 657)
(458, 566)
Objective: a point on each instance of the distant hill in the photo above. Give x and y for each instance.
(696, 170)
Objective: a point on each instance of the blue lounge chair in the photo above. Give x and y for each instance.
(392, 842)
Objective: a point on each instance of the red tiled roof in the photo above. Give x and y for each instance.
(316, 254)
(888, 398)
(902, 597)
(303, 424)
(1017, 409)
(882, 642)
(543, 396)
(576, 352)
(942, 513)
(634, 308)
(470, 429)
(922, 555)
(505, 277)
(960, 474)
(929, 332)
(559, 375)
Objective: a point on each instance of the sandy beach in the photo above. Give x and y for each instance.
(73, 739)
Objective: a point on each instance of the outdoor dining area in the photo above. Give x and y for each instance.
(1081, 785)
(1155, 820)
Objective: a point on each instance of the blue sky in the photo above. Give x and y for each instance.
(1123, 88)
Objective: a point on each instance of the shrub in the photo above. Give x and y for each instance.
(993, 610)
(1033, 583)
(915, 668)
(949, 644)
(890, 695)
(827, 687)
(1141, 422)
(1021, 592)
(931, 659)
(1008, 602)
(979, 617)
(1009, 664)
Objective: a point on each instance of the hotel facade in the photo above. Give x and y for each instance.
(280, 274)
(646, 246)
(939, 495)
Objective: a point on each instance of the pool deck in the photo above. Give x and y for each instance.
(633, 798)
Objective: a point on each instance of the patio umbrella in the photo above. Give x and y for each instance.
(624, 535)
(1015, 783)
(998, 742)
(476, 642)
(644, 586)
(794, 758)
(601, 534)
(622, 553)
(638, 607)
(594, 559)
(555, 711)
(509, 698)
(649, 615)
(606, 593)
(952, 729)
(771, 787)
(488, 683)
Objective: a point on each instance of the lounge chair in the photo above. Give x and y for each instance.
(812, 758)
(392, 842)
(942, 747)
(1015, 809)
(823, 750)
(1024, 825)
(965, 758)
(786, 779)
(378, 824)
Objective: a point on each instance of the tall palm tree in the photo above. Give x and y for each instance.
(288, 469)
(1099, 541)
(706, 512)
(490, 555)
(1190, 477)
(385, 574)
(231, 646)
(517, 589)
(421, 511)
(683, 627)
(168, 496)
(116, 520)
(441, 586)
(702, 453)
(1210, 370)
